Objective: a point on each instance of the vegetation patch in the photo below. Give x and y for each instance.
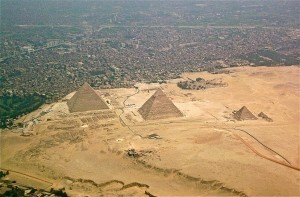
(12, 106)
(201, 84)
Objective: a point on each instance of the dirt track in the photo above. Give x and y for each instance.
(199, 154)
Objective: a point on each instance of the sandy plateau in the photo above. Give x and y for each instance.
(206, 152)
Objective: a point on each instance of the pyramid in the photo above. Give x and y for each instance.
(244, 114)
(265, 117)
(159, 106)
(86, 99)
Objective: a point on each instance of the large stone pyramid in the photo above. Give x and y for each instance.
(244, 114)
(159, 106)
(86, 99)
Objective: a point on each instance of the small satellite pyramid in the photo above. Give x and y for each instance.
(244, 114)
(86, 99)
(159, 106)
(265, 117)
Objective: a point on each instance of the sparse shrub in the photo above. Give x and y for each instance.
(59, 192)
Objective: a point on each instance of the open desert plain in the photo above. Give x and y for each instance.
(213, 142)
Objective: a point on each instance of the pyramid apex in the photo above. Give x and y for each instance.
(244, 114)
(159, 106)
(86, 99)
(86, 84)
(244, 108)
(159, 92)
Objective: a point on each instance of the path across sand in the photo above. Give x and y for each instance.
(205, 152)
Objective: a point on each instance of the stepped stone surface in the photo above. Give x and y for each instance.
(244, 114)
(159, 106)
(86, 99)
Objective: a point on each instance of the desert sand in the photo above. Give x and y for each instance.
(205, 152)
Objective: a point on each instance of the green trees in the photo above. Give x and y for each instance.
(12, 106)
